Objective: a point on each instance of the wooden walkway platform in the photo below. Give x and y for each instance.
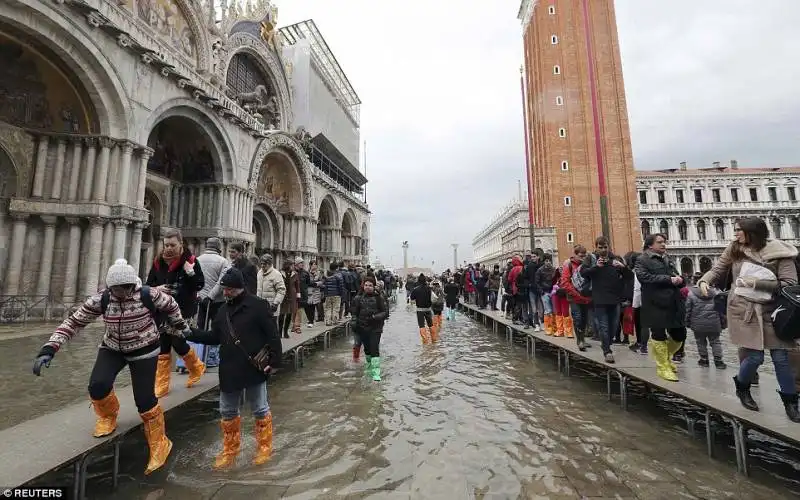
(707, 388)
(52, 441)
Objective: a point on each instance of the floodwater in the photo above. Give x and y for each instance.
(465, 418)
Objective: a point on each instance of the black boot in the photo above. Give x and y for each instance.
(743, 393)
(790, 404)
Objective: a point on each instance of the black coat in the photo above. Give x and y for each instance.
(249, 272)
(369, 312)
(186, 287)
(608, 282)
(255, 326)
(662, 304)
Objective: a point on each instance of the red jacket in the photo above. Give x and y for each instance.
(516, 268)
(567, 269)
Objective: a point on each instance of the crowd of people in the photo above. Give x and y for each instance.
(242, 305)
(642, 301)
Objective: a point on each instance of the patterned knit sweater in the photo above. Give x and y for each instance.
(129, 324)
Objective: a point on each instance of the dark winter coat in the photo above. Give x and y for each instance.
(334, 284)
(608, 281)
(185, 287)
(543, 279)
(369, 312)
(249, 272)
(437, 304)
(255, 326)
(451, 291)
(662, 304)
(530, 270)
(304, 282)
(494, 281)
(701, 312)
(421, 296)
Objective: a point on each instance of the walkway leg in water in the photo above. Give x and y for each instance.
(661, 355)
(231, 442)
(196, 367)
(263, 430)
(157, 440)
(162, 374)
(106, 410)
(376, 368)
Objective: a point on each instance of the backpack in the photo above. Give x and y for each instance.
(786, 316)
(582, 285)
(144, 294)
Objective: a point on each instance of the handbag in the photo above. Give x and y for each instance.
(261, 358)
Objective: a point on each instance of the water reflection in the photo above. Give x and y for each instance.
(467, 418)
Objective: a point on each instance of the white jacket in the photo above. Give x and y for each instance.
(214, 266)
(271, 286)
(637, 293)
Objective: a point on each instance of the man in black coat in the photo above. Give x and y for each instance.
(244, 328)
(249, 271)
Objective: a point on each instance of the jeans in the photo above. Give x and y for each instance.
(606, 318)
(256, 396)
(332, 304)
(522, 306)
(780, 359)
(493, 299)
(580, 318)
(547, 304)
(534, 301)
(143, 377)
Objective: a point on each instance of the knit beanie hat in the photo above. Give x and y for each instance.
(121, 274)
(214, 244)
(232, 279)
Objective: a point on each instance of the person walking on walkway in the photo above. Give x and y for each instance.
(213, 265)
(579, 300)
(749, 320)
(420, 299)
(131, 338)
(706, 325)
(177, 272)
(241, 262)
(451, 291)
(333, 290)
(437, 306)
(270, 284)
(494, 286)
(368, 314)
(250, 350)
(315, 311)
(663, 309)
(289, 305)
(543, 282)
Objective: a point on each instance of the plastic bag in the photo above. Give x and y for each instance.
(754, 271)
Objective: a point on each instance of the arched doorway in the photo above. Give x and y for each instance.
(267, 231)
(279, 183)
(645, 229)
(348, 235)
(249, 84)
(8, 190)
(326, 230)
(705, 264)
(687, 266)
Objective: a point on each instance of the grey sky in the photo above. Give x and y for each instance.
(706, 81)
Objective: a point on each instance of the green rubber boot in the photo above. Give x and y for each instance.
(376, 369)
(367, 364)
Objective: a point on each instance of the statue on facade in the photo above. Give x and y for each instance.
(304, 138)
(261, 105)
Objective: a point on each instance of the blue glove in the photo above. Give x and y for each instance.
(41, 360)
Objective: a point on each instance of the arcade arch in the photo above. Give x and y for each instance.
(327, 227)
(279, 183)
(8, 189)
(267, 229)
(351, 245)
(251, 84)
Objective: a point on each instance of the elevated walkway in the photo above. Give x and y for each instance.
(707, 388)
(52, 441)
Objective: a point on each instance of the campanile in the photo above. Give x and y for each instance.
(580, 163)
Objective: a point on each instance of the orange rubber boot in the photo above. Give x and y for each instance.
(196, 367)
(231, 442)
(424, 335)
(548, 324)
(106, 410)
(163, 369)
(263, 430)
(559, 327)
(155, 433)
(568, 327)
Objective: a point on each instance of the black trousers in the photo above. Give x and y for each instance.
(371, 343)
(143, 378)
(424, 318)
(209, 309)
(676, 334)
(169, 342)
(284, 322)
(310, 309)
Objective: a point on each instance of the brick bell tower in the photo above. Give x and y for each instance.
(580, 162)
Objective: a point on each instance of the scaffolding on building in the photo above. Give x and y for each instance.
(325, 62)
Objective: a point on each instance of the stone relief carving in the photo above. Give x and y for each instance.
(278, 141)
(20, 148)
(303, 137)
(169, 21)
(261, 105)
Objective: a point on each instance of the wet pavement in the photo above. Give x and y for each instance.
(466, 418)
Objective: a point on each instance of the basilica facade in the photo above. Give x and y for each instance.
(121, 119)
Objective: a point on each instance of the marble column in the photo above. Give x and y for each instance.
(136, 245)
(298, 243)
(182, 206)
(218, 209)
(107, 256)
(120, 239)
(73, 260)
(58, 173)
(75, 170)
(144, 157)
(93, 255)
(201, 207)
(46, 262)
(123, 196)
(173, 208)
(41, 166)
(191, 211)
(101, 179)
(89, 168)
(112, 177)
(230, 197)
(17, 253)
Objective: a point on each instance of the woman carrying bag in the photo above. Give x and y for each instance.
(749, 317)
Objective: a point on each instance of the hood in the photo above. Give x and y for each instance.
(712, 292)
(516, 261)
(775, 249)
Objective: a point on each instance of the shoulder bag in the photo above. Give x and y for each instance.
(260, 360)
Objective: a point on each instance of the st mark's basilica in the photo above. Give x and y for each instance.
(121, 119)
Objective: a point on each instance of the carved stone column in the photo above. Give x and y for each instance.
(191, 211)
(41, 166)
(58, 173)
(75, 170)
(201, 207)
(123, 193)
(89, 168)
(46, 263)
(173, 206)
(93, 255)
(112, 177)
(18, 230)
(144, 157)
(136, 245)
(219, 208)
(230, 197)
(120, 238)
(73, 260)
(101, 178)
(181, 206)
(107, 256)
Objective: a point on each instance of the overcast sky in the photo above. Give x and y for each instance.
(709, 80)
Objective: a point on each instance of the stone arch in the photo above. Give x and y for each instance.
(328, 213)
(187, 34)
(222, 150)
(706, 264)
(350, 245)
(8, 177)
(280, 184)
(270, 63)
(267, 229)
(284, 145)
(687, 266)
(80, 57)
(272, 82)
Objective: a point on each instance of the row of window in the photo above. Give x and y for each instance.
(716, 195)
(719, 229)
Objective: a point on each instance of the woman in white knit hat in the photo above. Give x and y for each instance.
(131, 338)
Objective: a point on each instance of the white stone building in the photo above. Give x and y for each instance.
(697, 208)
(120, 119)
(508, 234)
